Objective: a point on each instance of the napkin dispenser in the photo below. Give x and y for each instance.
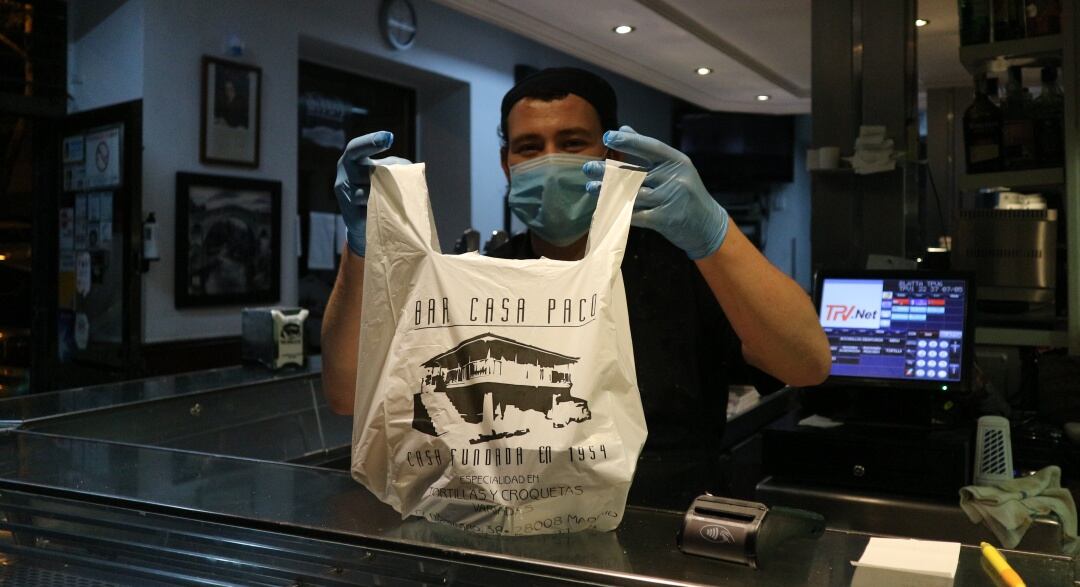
(273, 337)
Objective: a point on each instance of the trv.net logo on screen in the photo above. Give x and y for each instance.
(851, 304)
(842, 313)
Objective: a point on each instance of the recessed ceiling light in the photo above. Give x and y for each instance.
(763, 97)
(623, 29)
(921, 22)
(704, 70)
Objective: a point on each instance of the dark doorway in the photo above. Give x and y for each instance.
(97, 281)
(334, 107)
(33, 76)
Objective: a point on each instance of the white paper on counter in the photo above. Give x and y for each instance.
(321, 240)
(924, 557)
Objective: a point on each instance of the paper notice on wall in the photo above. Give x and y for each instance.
(93, 236)
(67, 230)
(74, 177)
(341, 233)
(80, 222)
(82, 273)
(105, 235)
(67, 261)
(106, 205)
(93, 206)
(74, 149)
(321, 240)
(82, 330)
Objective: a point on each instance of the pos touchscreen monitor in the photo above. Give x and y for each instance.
(899, 329)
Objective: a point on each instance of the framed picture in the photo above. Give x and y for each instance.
(230, 112)
(228, 240)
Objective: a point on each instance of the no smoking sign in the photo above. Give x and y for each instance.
(104, 171)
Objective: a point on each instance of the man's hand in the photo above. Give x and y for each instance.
(672, 199)
(352, 172)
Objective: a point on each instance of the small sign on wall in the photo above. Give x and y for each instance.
(103, 162)
(74, 149)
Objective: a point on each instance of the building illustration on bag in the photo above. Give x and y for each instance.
(499, 386)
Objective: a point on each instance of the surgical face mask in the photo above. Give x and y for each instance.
(548, 194)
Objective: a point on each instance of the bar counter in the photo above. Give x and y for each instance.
(131, 490)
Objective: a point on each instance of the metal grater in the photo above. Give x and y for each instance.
(993, 451)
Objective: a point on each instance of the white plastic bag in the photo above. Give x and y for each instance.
(495, 395)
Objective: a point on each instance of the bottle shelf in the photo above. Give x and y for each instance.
(1022, 337)
(1036, 50)
(1053, 176)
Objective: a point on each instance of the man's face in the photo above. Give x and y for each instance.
(538, 127)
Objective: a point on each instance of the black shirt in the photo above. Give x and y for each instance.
(684, 347)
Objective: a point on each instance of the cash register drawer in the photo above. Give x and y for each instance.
(898, 461)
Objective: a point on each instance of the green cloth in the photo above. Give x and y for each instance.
(1007, 508)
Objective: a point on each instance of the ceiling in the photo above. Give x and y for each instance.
(754, 47)
(939, 46)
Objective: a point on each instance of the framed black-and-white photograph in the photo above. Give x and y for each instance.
(228, 240)
(230, 112)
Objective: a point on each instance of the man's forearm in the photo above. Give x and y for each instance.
(341, 334)
(772, 315)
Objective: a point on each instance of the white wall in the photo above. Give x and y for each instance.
(174, 37)
(105, 53)
(177, 35)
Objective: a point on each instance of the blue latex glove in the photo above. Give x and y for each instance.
(672, 200)
(352, 172)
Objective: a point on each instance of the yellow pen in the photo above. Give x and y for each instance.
(1002, 567)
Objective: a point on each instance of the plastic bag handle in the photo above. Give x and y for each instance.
(611, 221)
(399, 198)
(399, 210)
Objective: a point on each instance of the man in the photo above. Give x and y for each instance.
(702, 300)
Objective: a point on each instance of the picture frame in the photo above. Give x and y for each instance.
(228, 240)
(230, 115)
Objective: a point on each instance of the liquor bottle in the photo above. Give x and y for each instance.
(1009, 20)
(993, 90)
(974, 22)
(1049, 113)
(1018, 134)
(1043, 17)
(982, 132)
